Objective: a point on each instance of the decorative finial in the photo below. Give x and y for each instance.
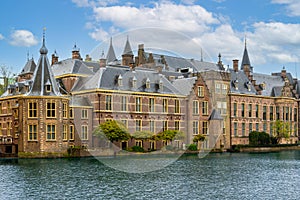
(245, 40)
(43, 49)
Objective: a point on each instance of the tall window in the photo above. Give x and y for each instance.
(165, 125)
(51, 109)
(195, 107)
(124, 103)
(243, 110)
(200, 91)
(84, 132)
(0, 108)
(65, 110)
(204, 108)
(205, 127)
(71, 113)
(295, 115)
(271, 129)
(235, 109)
(287, 109)
(222, 107)
(250, 127)
(224, 89)
(65, 132)
(177, 125)
(152, 126)
(138, 104)
(8, 107)
(71, 132)
(32, 109)
(243, 129)
(51, 132)
(235, 128)
(271, 113)
(138, 125)
(32, 132)
(218, 88)
(165, 105)
(257, 127)
(256, 111)
(265, 127)
(249, 110)
(195, 127)
(177, 106)
(84, 114)
(108, 100)
(264, 112)
(277, 113)
(151, 105)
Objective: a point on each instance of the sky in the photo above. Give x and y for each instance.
(188, 28)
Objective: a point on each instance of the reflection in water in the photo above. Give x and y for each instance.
(218, 176)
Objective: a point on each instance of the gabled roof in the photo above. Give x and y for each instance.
(42, 75)
(240, 83)
(111, 56)
(215, 115)
(71, 66)
(184, 85)
(29, 67)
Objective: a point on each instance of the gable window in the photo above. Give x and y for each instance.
(48, 86)
(32, 109)
(84, 132)
(224, 89)
(204, 108)
(51, 131)
(108, 100)
(51, 109)
(205, 127)
(32, 132)
(200, 91)
(84, 114)
(218, 88)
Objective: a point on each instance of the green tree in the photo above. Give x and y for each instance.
(112, 130)
(170, 135)
(282, 130)
(143, 135)
(259, 138)
(199, 138)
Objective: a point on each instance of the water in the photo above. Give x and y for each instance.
(217, 176)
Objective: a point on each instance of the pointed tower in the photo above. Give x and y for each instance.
(111, 56)
(27, 71)
(127, 56)
(246, 65)
(43, 82)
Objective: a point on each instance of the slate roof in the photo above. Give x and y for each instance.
(184, 85)
(92, 65)
(240, 80)
(215, 115)
(111, 56)
(80, 101)
(71, 66)
(29, 67)
(270, 82)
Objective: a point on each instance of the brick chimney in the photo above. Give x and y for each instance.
(283, 73)
(102, 62)
(235, 65)
(75, 53)
(54, 58)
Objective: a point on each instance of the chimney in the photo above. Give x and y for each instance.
(236, 65)
(283, 73)
(54, 58)
(142, 59)
(75, 53)
(88, 58)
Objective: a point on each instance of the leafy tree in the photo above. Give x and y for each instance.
(6, 76)
(259, 138)
(199, 138)
(282, 130)
(170, 135)
(112, 130)
(142, 135)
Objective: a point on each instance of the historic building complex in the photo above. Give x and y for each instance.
(55, 105)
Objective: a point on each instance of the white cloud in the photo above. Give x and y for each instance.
(23, 38)
(292, 6)
(99, 35)
(1, 37)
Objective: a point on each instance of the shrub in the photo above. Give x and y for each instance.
(137, 149)
(192, 147)
(259, 138)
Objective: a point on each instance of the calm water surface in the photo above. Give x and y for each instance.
(217, 176)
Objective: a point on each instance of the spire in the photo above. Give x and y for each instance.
(43, 78)
(246, 60)
(111, 56)
(127, 49)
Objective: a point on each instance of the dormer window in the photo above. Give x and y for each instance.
(235, 84)
(148, 83)
(120, 81)
(48, 86)
(248, 85)
(134, 80)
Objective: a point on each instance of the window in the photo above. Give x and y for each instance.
(195, 127)
(151, 105)
(256, 111)
(84, 132)
(165, 105)
(138, 104)
(9, 128)
(71, 113)
(124, 103)
(222, 107)
(138, 125)
(165, 125)
(218, 88)
(177, 125)
(8, 107)
(271, 113)
(249, 110)
(243, 110)
(32, 109)
(271, 129)
(108, 102)
(200, 91)
(139, 143)
(0, 108)
(84, 114)
(71, 132)
(235, 127)
(277, 113)
(152, 126)
(243, 129)
(250, 127)
(51, 131)
(32, 132)
(295, 115)
(195, 107)
(177, 106)
(224, 89)
(235, 109)
(264, 112)
(1, 128)
(204, 108)
(65, 108)
(205, 127)
(65, 132)
(257, 126)
(265, 127)
(287, 109)
(51, 109)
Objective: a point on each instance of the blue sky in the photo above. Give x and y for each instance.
(271, 27)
